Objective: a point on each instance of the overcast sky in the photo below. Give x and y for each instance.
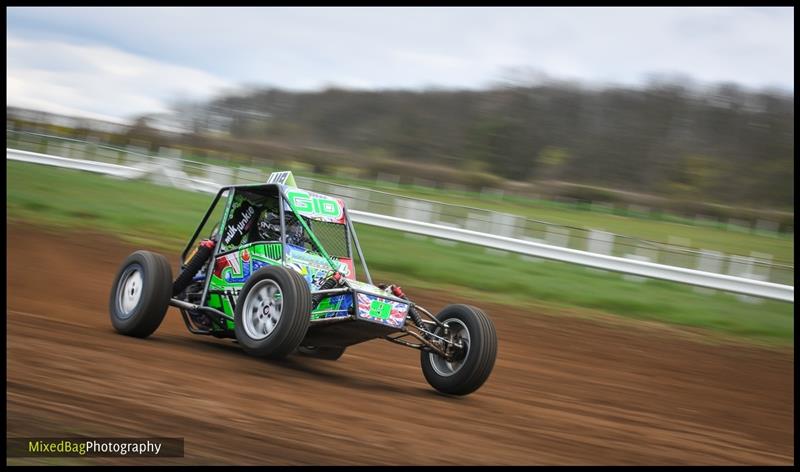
(117, 62)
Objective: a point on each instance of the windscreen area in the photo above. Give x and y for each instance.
(253, 216)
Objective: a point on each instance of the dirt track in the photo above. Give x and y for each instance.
(564, 391)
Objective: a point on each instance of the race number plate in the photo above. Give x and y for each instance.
(380, 310)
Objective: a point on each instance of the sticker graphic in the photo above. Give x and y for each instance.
(316, 206)
(382, 311)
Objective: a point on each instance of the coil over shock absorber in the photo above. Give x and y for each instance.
(194, 265)
(331, 282)
(415, 317)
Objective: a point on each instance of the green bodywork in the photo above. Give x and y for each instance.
(238, 256)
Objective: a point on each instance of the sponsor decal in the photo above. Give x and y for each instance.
(284, 178)
(240, 224)
(382, 311)
(336, 306)
(346, 268)
(315, 205)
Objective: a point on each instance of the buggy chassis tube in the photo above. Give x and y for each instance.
(330, 291)
(202, 222)
(358, 246)
(425, 342)
(189, 306)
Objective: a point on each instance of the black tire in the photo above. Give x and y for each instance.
(328, 353)
(476, 366)
(140, 294)
(288, 331)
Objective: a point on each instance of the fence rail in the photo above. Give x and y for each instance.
(172, 171)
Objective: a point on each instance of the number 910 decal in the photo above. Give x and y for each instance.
(314, 205)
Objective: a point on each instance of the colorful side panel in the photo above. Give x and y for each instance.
(337, 306)
(232, 270)
(381, 310)
(314, 268)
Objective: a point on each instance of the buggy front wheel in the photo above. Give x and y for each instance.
(273, 312)
(472, 363)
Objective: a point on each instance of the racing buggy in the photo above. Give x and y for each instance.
(277, 273)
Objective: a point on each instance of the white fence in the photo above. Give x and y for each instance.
(170, 174)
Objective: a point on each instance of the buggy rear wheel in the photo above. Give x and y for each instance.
(472, 364)
(273, 312)
(140, 294)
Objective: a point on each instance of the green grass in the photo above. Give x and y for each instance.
(515, 280)
(163, 217)
(700, 236)
(717, 237)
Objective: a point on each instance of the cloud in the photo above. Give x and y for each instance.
(131, 58)
(97, 80)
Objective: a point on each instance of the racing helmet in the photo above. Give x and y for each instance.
(269, 227)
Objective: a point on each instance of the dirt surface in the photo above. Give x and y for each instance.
(563, 391)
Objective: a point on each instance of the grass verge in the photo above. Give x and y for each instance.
(163, 217)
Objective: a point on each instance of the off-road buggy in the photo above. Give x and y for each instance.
(295, 291)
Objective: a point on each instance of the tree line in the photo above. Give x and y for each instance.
(719, 143)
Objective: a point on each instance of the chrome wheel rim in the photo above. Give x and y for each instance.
(129, 292)
(262, 309)
(459, 333)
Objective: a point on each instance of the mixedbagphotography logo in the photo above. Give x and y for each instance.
(94, 447)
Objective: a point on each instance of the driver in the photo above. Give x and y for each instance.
(268, 227)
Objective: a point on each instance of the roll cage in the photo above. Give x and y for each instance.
(321, 330)
(285, 207)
